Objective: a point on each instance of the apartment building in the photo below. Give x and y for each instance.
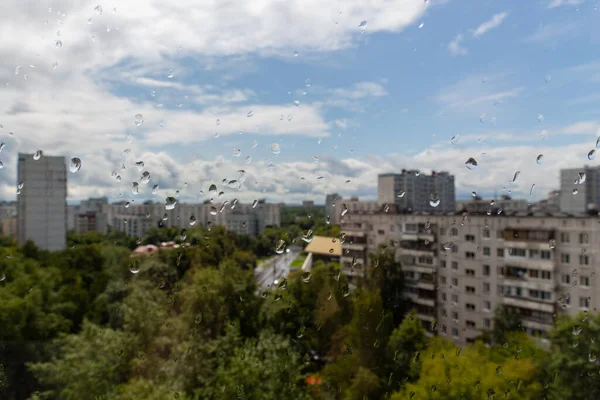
(136, 219)
(413, 191)
(42, 201)
(504, 205)
(459, 268)
(341, 207)
(579, 190)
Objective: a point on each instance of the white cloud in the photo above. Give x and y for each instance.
(360, 90)
(552, 33)
(487, 26)
(581, 128)
(559, 3)
(455, 47)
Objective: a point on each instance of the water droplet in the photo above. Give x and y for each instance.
(531, 190)
(183, 234)
(592, 357)
(296, 103)
(17, 69)
(363, 25)
(213, 210)
(145, 178)
(170, 203)
(539, 160)
(552, 243)
(212, 190)
(135, 188)
(498, 370)
(37, 155)
(576, 330)
(254, 203)
(516, 176)
(154, 189)
(306, 277)
(296, 54)
(58, 44)
(421, 25)
(454, 139)
(344, 209)
(248, 160)
(280, 248)
(74, 165)
(192, 220)
(540, 117)
(591, 155)
(218, 122)
(171, 74)
(448, 246)
(134, 268)
(471, 164)
(98, 10)
(308, 236)
(434, 199)
(249, 114)
(275, 149)
(139, 119)
(237, 152)
(482, 118)
(575, 191)
(547, 78)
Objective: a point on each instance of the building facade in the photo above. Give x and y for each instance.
(413, 191)
(42, 202)
(459, 269)
(503, 205)
(579, 190)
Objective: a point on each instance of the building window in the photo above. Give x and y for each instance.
(487, 323)
(443, 296)
(470, 289)
(455, 249)
(454, 265)
(534, 273)
(584, 280)
(381, 232)
(443, 263)
(442, 231)
(443, 279)
(486, 251)
(470, 255)
(564, 237)
(453, 232)
(500, 234)
(584, 259)
(454, 315)
(487, 306)
(470, 324)
(454, 282)
(500, 252)
(583, 238)
(470, 272)
(486, 270)
(583, 302)
(517, 252)
(470, 238)
(486, 287)
(500, 271)
(455, 298)
(565, 278)
(546, 275)
(486, 233)
(455, 332)
(565, 258)
(470, 307)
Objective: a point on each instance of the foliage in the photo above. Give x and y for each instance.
(473, 372)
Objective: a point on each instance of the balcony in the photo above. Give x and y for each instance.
(530, 283)
(524, 302)
(348, 259)
(425, 317)
(536, 323)
(418, 268)
(424, 301)
(529, 263)
(354, 246)
(420, 235)
(521, 244)
(417, 251)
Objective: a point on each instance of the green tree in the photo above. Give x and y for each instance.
(506, 320)
(474, 372)
(572, 364)
(387, 277)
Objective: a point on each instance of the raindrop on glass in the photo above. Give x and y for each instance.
(249, 114)
(275, 149)
(74, 165)
(471, 164)
(58, 44)
(98, 10)
(454, 139)
(591, 155)
(139, 119)
(552, 243)
(37, 155)
(237, 152)
(540, 117)
(154, 189)
(135, 188)
(539, 159)
(145, 178)
(170, 203)
(434, 200)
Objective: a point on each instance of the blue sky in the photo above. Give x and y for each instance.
(512, 79)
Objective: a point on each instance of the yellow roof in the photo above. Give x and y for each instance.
(324, 245)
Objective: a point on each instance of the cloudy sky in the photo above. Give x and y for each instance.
(308, 97)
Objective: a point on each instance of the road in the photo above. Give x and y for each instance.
(275, 268)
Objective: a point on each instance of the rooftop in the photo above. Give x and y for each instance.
(325, 246)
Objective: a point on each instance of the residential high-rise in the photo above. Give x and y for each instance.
(42, 202)
(329, 204)
(412, 191)
(579, 190)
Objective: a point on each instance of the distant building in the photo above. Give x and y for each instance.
(242, 222)
(91, 221)
(550, 204)
(579, 190)
(351, 206)
(413, 191)
(504, 204)
(330, 204)
(9, 226)
(42, 203)
(308, 203)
